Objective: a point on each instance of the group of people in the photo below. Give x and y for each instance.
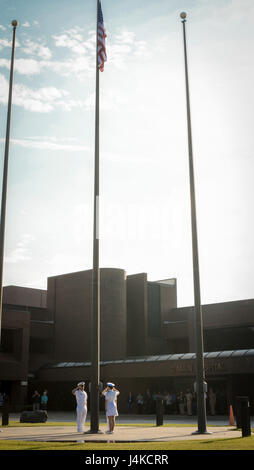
(146, 403)
(40, 402)
(110, 394)
(182, 402)
(3, 398)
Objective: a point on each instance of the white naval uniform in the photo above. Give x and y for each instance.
(111, 397)
(81, 397)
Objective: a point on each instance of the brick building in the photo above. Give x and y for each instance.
(146, 341)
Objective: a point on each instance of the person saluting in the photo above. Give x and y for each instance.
(81, 399)
(111, 393)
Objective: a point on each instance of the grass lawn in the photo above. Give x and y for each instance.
(17, 424)
(241, 443)
(246, 443)
(63, 423)
(73, 423)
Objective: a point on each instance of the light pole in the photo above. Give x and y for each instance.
(200, 370)
(5, 170)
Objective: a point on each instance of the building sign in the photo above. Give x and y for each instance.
(181, 368)
(189, 367)
(215, 367)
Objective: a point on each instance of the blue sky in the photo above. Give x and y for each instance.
(144, 180)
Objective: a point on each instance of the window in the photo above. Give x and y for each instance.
(11, 342)
(7, 341)
(223, 339)
(153, 310)
(40, 346)
(177, 346)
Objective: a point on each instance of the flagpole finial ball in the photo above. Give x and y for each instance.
(183, 15)
(14, 23)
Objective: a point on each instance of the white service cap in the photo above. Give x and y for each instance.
(109, 384)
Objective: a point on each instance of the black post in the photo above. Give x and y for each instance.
(95, 351)
(159, 411)
(5, 170)
(246, 425)
(243, 415)
(200, 371)
(5, 411)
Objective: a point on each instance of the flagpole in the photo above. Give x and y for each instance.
(200, 370)
(5, 170)
(95, 349)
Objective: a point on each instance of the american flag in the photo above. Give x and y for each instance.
(102, 56)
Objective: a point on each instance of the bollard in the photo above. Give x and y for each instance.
(5, 411)
(159, 412)
(243, 415)
(246, 429)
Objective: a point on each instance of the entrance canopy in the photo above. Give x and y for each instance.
(216, 363)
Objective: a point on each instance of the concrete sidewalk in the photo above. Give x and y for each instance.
(128, 431)
(70, 417)
(122, 433)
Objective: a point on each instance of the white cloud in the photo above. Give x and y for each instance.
(80, 63)
(123, 46)
(27, 66)
(5, 63)
(49, 143)
(77, 66)
(17, 255)
(42, 100)
(26, 24)
(4, 43)
(22, 252)
(71, 39)
(3, 89)
(37, 49)
(119, 48)
(127, 37)
(82, 58)
(23, 66)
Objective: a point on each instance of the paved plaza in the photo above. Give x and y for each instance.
(128, 431)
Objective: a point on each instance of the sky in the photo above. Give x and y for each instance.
(145, 222)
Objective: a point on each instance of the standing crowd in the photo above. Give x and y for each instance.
(181, 402)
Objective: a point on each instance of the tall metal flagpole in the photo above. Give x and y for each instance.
(200, 370)
(95, 350)
(5, 170)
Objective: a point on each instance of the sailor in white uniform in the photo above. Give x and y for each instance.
(81, 399)
(110, 393)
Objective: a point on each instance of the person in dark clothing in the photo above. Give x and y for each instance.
(36, 399)
(130, 399)
(140, 403)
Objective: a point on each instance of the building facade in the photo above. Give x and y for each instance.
(147, 343)
(26, 340)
